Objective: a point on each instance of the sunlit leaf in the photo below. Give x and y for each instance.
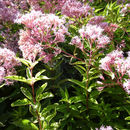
(26, 93)
(40, 90)
(17, 78)
(25, 124)
(44, 96)
(21, 102)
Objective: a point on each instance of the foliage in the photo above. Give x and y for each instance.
(64, 65)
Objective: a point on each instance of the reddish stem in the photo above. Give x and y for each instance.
(34, 100)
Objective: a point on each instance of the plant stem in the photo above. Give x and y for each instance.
(89, 65)
(34, 101)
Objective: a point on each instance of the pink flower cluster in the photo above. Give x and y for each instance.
(52, 6)
(95, 34)
(46, 6)
(108, 28)
(126, 86)
(7, 64)
(75, 9)
(42, 30)
(105, 128)
(10, 40)
(116, 63)
(125, 9)
(77, 42)
(8, 11)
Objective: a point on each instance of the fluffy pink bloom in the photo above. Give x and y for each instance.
(105, 128)
(10, 40)
(7, 14)
(29, 18)
(126, 86)
(120, 1)
(2, 74)
(109, 60)
(74, 8)
(113, 27)
(125, 9)
(115, 62)
(91, 31)
(100, 88)
(41, 29)
(94, 33)
(7, 64)
(48, 6)
(76, 41)
(102, 41)
(96, 20)
(109, 29)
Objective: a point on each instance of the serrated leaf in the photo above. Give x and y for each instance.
(26, 93)
(39, 73)
(40, 90)
(22, 102)
(44, 96)
(17, 78)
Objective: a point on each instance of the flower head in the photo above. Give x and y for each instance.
(7, 64)
(74, 8)
(41, 29)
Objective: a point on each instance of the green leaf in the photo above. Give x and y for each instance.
(44, 96)
(66, 94)
(40, 90)
(2, 85)
(39, 73)
(22, 102)
(80, 70)
(74, 27)
(1, 124)
(48, 108)
(25, 62)
(79, 63)
(97, 10)
(77, 99)
(127, 118)
(41, 77)
(25, 124)
(49, 118)
(79, 83)
(26, 93)
(28, 73)
(2, 99)
(17, 78)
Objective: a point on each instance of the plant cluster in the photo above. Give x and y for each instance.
(70, 60)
